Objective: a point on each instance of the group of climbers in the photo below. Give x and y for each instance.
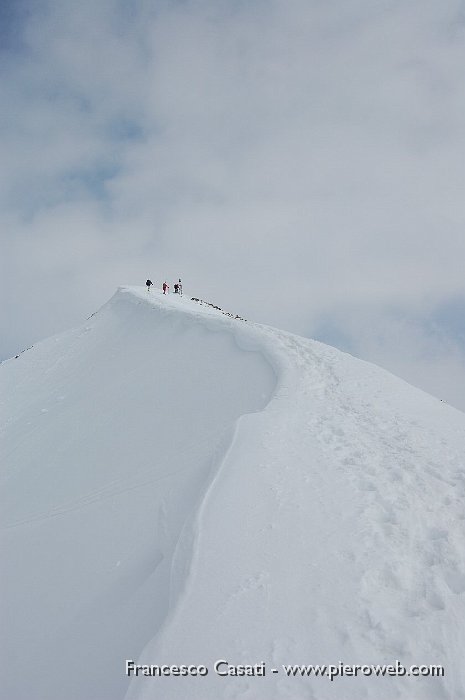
(166, 288)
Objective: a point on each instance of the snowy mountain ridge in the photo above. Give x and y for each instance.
(181, 487)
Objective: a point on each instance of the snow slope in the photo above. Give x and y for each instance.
(179, 486)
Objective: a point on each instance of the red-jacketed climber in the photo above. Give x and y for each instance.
(165, 288)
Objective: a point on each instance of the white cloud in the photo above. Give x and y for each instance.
(414, 347)
(289, 160)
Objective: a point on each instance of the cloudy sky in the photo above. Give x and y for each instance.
(299, 162)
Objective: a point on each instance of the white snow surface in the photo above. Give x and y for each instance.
(179, 486)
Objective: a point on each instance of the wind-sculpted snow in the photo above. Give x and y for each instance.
(187, 488)
(346, 543)
(110, 436)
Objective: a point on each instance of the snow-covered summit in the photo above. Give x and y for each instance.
(180, 487)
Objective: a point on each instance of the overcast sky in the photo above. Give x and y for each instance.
(299, 162)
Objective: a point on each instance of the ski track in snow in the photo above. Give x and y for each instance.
(85, 388)
(328, 526)
(115, 487)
